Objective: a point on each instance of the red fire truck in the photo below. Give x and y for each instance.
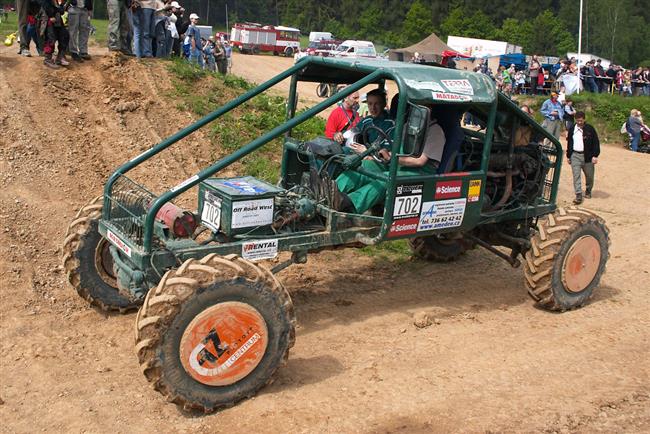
(252, 38)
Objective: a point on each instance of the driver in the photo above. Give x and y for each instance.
(358, 193)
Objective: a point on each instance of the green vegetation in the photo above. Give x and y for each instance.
(393, 251)
(201, 92)
(101, 34)
(9, 26)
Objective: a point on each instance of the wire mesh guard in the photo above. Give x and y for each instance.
(549, 160)
(129, 203)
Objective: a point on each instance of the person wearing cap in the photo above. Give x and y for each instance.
(193, 40)
(363, 106)
(553, 114)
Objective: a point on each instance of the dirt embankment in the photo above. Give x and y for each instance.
(490, 361)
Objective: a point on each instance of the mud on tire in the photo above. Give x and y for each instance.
(567, 258)
(168, 318)
(88, 263)
(438, 248)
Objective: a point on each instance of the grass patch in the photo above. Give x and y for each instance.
(392, 251)
(201, 92)
(605, 112)
(101, 32)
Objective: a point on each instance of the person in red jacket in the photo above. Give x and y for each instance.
(343, 118)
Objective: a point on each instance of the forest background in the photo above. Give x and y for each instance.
(618, 30)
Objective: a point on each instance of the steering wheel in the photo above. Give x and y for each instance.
(375, 146)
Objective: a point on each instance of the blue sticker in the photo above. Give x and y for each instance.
(245, 187)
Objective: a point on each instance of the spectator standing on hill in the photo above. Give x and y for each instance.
(583, 149)
(343, 118)
(79, 15)
(569, 114)
(553, 115)
(599, 72)
(220, 57)
(228, 49)
(634, 124)
(22, 10)
(55, 33)
(120, 32)
(533, 73)
(32, 28)
(143, 27)
(193, 41)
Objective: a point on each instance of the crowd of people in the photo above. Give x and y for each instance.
(537, 79)
(140, 28)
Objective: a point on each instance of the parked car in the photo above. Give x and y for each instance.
(351, 48)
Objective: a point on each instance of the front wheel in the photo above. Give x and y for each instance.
(214, 332)
(288, 52)
(567, 258)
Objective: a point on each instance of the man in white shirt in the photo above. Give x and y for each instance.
(583, 149)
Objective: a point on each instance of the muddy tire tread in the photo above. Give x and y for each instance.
(553, 229)
(163, 303)
(73, 241)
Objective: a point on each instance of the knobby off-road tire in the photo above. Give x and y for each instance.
(88, 263)
(567, 258)
(438, 248)
(203, 315)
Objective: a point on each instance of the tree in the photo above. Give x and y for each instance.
(417, 24)
(549, 36)
(460, 23)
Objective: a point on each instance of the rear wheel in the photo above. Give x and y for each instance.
(567, 258)
(88, 262)
(440, 248)
(214, 332)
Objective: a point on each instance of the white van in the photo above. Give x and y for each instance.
(317, 36)
(352, 48)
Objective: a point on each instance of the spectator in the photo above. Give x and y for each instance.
(599, 73)
(79, 15)
(162, 37)
(634, 125)
(193, 41)
(176, 19)
(208, 48)
(55, 33)
(143, 27)
(228, 50)
(417, 58)
(22, 10)
(32, 28)
(220, 57)
(520, 82)
(533, 73)
(583, 149)
(553, 115)
(343, 118)
(120, 32)
(524, 132)
(569, 113)
(590, 74)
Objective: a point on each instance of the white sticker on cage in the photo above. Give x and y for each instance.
(118, 243)
(249, 213)
(211, 213)
(262, 249)
(442, 214)
(459, 86)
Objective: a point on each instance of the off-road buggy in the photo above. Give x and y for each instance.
(213, 326)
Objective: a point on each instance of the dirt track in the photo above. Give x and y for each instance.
(490, 362)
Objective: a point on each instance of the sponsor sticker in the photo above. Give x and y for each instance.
(459, 86)
(247, 213)
(448, 189)
(425, 85)
(408, 200)
(474, 191)
(262, 249)
(442, 214)
(442, 96)
(184, 183)
(245, 187)
(403, 227)
(118, 243)
(211, 213)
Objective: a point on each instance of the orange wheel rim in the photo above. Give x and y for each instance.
(224, 343)
(581, 263)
